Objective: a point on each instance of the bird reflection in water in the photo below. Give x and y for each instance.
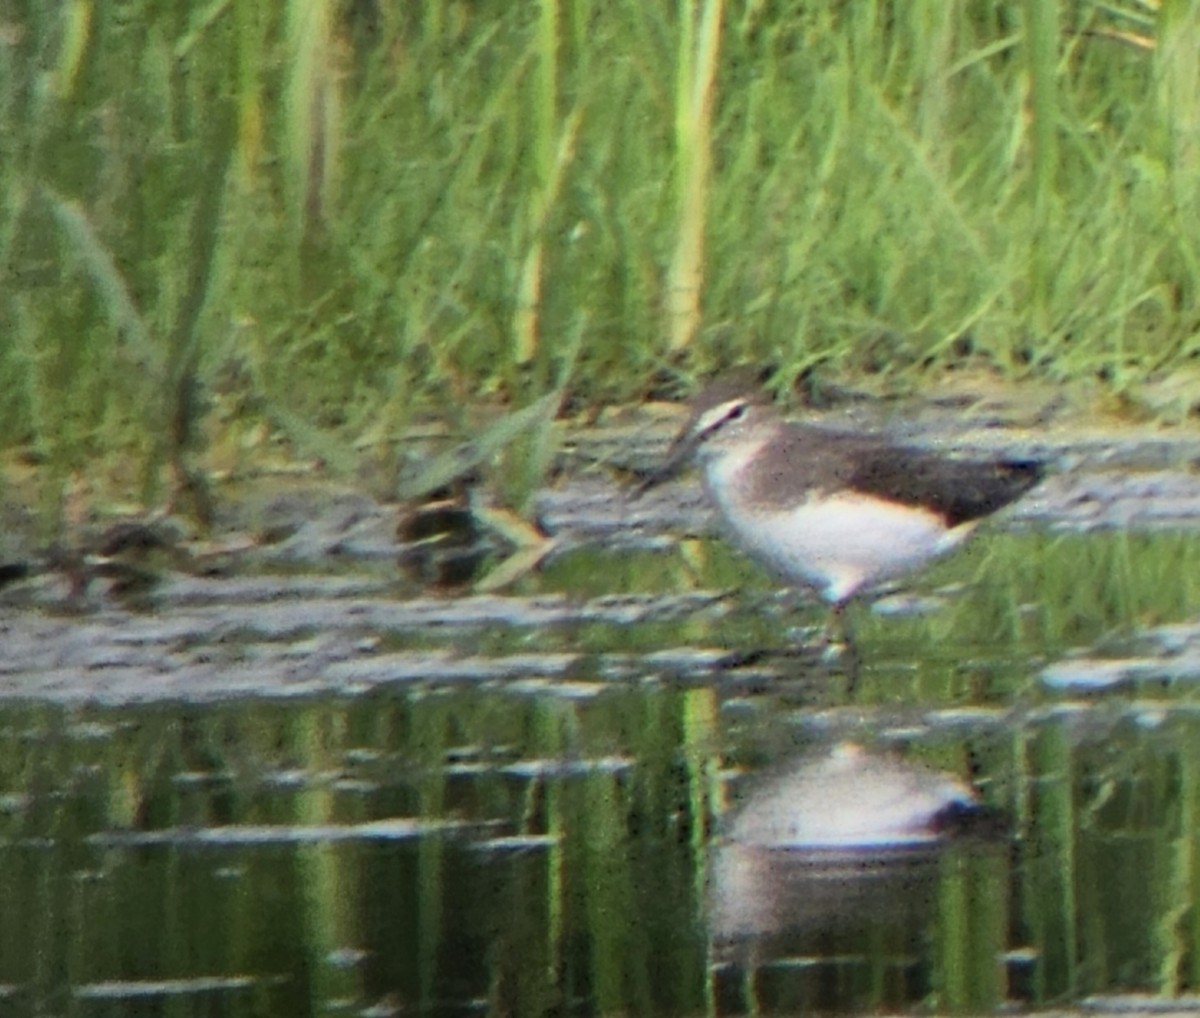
(839, 861)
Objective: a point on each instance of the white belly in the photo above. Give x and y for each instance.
(840, 543)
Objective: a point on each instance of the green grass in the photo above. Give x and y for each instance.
(326, 219)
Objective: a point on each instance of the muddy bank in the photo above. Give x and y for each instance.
(299, 590)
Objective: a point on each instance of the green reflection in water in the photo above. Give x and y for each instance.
(950, 633)
(562, 864)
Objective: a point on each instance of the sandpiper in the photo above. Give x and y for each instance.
(834, 510)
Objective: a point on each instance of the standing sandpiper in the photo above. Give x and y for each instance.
(833, 510)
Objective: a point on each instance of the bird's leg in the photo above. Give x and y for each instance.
(840, 645)
(837, 638)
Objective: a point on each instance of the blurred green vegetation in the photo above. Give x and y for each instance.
(234, 221)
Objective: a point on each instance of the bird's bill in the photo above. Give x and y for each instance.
(677, 458)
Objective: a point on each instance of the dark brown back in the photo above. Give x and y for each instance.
(959, 490)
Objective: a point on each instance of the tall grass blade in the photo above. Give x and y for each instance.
(698, 49)
(252, 27)
(312, 110)
(529, 289)
(1041, 42)
(1178, 73)
(78, 16)
(115, 295)
(201, 23)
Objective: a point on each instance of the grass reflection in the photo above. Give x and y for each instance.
(547, 847)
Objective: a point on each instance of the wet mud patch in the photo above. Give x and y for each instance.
(308, 588)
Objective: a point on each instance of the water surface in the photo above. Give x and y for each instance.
(356, 801)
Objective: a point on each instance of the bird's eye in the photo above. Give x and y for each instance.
(736, 413)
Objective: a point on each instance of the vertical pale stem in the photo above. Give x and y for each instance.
(311, 108)
(1041, 43)
(252, 29)
(77, 36)
(1179, 82)
(545, 106)
(693, 130)
(1178, 73)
